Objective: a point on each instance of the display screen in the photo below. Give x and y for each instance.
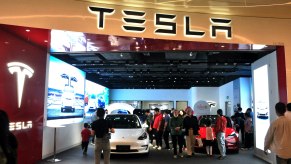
(68, 41)
(65, 97)
(261, 105)
(96, 96)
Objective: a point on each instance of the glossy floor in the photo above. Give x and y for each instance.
(75, 155)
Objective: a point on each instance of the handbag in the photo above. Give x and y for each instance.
(199, 142)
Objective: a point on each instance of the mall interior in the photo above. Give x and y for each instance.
(61, 60)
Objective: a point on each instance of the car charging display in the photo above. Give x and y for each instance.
(96, 96)
(65, 97)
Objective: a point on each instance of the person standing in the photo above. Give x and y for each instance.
(278, 136)
(176, 126)
(249, 134)
(158, 117)
(209, 137)
(190, 123)
(149, 122)
(8, 142)
(241, 123)
(220, 128)
(86, 133)
(101, 129)
(166, 129)
(94, 118)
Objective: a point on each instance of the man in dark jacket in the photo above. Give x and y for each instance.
(190, 123)
(149, 122)
(176, 125)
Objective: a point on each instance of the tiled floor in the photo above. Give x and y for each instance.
(75, 155)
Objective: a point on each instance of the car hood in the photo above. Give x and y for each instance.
(127, 133)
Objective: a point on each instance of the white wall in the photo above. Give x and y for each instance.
(207, 94)
(226, 94)
(66, 138)
(245, 93)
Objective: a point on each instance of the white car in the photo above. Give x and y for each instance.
(68, 99)
(130, 137)
(262, 112)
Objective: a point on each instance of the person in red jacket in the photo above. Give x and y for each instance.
(158, 117)
(220, 128)
(86, 133)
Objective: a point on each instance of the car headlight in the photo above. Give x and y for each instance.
(143, 136)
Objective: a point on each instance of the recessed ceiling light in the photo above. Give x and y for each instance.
(190, 54)
(45, 41)
(222, 46)
(27, 30)
(121, 55)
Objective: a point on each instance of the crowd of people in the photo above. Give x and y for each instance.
(243, 124)
(183, 127)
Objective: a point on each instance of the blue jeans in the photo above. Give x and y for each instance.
(220, 136)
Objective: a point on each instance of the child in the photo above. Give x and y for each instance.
(209, 138)
(86, 133)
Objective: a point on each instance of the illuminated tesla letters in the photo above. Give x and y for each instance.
(165, 24)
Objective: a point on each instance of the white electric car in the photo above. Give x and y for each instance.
(130, 136)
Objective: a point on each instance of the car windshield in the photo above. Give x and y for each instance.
(203, 120)
(124, 121)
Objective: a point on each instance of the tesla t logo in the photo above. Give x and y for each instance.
(21, 71)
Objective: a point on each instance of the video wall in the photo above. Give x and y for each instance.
(96, 96)
(69, 41)
(262, 109)
(66, 88)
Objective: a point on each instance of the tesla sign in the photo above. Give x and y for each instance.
(165, 24)
(20, 125)
(22, 70)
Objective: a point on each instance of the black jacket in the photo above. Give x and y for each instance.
(191, 122)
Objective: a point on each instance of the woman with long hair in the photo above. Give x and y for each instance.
(8, 142)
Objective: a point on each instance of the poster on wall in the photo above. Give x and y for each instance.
(261, 95)
(160, 106)
(65, 97)
(96, 96)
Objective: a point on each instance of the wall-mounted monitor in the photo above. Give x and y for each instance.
(262, 108)
(96, 96)
(66, 88)
(69, 41)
